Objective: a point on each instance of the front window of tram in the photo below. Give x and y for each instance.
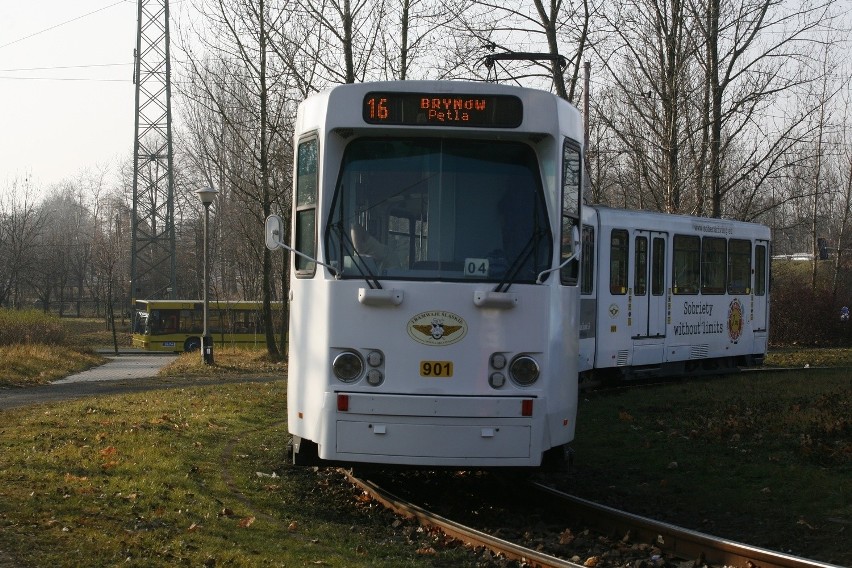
(439, 209)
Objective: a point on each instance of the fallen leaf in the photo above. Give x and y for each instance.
(71, 477)
(567, 537)
(246, 522)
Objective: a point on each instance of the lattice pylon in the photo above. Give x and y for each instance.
(152, 265)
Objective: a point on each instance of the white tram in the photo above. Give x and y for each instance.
(434, 293)
(671, 294)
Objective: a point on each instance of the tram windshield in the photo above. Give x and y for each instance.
(439, 209)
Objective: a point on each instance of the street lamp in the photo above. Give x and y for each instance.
(207, 195)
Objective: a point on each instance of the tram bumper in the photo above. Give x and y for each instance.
(434, 430)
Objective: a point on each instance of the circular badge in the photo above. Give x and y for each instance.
(437, 328)
(735, 319)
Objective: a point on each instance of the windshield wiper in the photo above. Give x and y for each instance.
(520, 260)
(360, 263)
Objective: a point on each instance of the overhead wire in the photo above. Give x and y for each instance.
(32, 35)
(61, 67)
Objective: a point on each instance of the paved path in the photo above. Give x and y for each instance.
(125, 373)
(130, 366)
(128, 372)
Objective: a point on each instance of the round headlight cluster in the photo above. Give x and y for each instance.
(348, 366)
(524, 370)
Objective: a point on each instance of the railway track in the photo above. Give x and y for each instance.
(671, 545)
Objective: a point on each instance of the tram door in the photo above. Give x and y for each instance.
(649, 296)
(761, 285)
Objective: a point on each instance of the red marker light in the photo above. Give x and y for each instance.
(343, 403)
(526, 407)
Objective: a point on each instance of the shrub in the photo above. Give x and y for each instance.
(802, 315)
(30, 327)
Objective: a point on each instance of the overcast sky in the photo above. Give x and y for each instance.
(66, 89)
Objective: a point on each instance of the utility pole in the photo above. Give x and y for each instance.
(152, 264)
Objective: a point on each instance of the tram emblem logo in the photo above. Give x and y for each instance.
(437, 328)
(735, 320)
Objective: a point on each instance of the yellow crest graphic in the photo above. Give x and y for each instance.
(437, 328)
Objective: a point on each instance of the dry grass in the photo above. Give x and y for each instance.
(185, 477)
(37, 364)
(228, 362)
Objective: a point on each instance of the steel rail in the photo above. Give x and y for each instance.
(469, 536)
(684, 543)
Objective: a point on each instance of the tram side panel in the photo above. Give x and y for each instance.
(651, 318)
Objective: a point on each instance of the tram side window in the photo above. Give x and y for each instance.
(306, 206)
(640, 268)
(687, 271)
(739, 266)
(714, 259)
(618, 254)
(587, 259)
(571, 184)
(760, 270)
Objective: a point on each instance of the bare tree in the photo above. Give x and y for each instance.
(21, 224)
(331, 42)
(244, 95)
(749, 55)
(559, 30)
(409, 37)
(652, 77)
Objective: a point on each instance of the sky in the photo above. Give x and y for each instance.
(66, 88)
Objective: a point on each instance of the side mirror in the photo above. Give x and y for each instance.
(575, 254)
(274, 230)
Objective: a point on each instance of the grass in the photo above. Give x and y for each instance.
(37, 348)
(35, 364)
(229, 362)
(190, 477)
(763, 459)
(794, 356)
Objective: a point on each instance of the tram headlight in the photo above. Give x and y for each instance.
(348, 366)
(524, 370)
(498, 361)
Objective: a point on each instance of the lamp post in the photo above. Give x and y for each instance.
(207, 195)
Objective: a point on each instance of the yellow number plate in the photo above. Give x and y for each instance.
(440, 369)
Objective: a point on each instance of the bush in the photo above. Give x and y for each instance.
(802, 315)
(30, 327)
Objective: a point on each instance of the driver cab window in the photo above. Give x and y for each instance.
(571, 179)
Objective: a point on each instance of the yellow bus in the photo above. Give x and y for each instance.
(177, 325)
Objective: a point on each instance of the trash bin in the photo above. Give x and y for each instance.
(207, 350)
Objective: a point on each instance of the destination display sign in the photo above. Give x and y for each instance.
(442, 109)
